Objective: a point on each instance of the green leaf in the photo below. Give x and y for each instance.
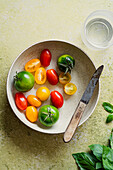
(97, 150)
(85, 160)
(109, 118)
(111, 139)
(99, 165)
(107, 158)
(108, 107)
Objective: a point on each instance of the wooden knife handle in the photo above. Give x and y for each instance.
(74, 122)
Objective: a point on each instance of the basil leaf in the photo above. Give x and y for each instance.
(111, 139)
(108, 107)
(107, 158)
(97, 150)
(85, 160)
(109, 118)
(99, 165)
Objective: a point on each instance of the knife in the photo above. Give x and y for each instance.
(82, 105)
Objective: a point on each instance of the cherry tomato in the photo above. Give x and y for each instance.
(66, 63)
(64, 78)
(21, 101)
(70, 88)
(32, 113)
(52, 76)
(34, 101)
(40, 75)
(45, 57)
(43, 93)
(57, 99)
(32, 65)
(48, 115)
(24, 81)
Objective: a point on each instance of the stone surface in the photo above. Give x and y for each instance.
(25, 22)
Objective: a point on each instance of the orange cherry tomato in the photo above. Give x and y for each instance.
(40, 75)
(32, 65)
(43, 93)
(31, 113)
(70, 88)
(64, 78)
(34, 101)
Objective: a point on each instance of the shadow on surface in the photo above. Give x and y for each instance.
(28, 140)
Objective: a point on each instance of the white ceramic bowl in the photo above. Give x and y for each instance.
(81, 74)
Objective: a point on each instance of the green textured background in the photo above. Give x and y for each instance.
(22, 23)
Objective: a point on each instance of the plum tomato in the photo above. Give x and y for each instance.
(64, 78)
(48, 115)
(52, 76)
(70, 88)
(40, 75)
(21, 101)
(43, 93)
(31, 113)
(45, 57)
(32, 65)
(34, 101)
(57, 99)
(23, 81)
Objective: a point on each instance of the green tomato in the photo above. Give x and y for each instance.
(48, 115)
(24, 81)
(66, 63)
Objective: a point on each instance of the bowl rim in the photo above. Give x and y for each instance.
(39, 42)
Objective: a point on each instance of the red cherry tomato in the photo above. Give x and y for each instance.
(57, 99)
(45, 57)
(21, 101)
(52, 76)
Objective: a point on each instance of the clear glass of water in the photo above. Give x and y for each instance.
(97, 31)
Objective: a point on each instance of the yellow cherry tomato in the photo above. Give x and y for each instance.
(64, 78)
(40, 75)
(43, 93)
(70, 88)
(34, 101)
(32, 65)
(31, 113)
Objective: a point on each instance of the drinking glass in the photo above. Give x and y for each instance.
(97, 30)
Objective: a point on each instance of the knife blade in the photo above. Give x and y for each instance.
(82, 105)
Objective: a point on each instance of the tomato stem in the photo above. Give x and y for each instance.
(49, 110)
(46, 117)
(64, 65)
(49, 114)
(16, 77)
(67, 66)
(45, 113)
(70, 63)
